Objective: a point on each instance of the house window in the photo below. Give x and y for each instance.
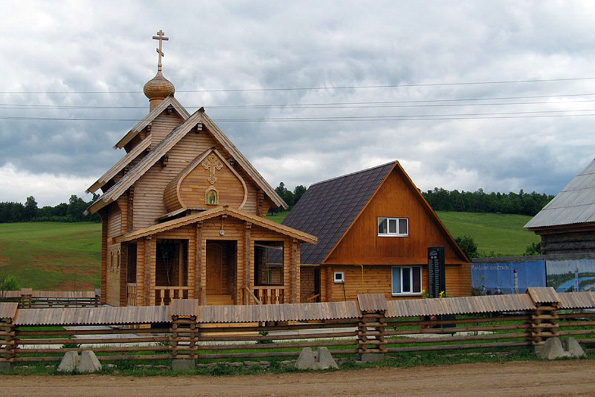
(406, 280)
(393, 227)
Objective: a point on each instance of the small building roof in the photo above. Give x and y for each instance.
(328, 208)
(169, 142)
(212, 213)
(573, 205)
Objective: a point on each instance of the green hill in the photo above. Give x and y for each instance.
(66, 256)
(52, 255)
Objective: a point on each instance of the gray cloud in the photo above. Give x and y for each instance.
(88, 46)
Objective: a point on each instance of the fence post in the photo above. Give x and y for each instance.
(370, 329)
(10, 344)
(26, 298)
(544, 320)
(184, 336)
(543, 323)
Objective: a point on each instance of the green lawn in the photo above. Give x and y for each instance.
(494, 234)
(54, 256)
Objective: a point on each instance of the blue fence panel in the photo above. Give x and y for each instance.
(507, 277)
(571, 275)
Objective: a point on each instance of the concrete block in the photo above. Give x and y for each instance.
(551, 350)
(321, 359)
(5, 367)
(88, 362)
(325, 360)
(181, 364)
(306, 360)
(573, 347)
(371, 357)
(69, 362)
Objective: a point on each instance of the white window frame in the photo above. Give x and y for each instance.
(339, 278)
(411, 283)
(397, 221)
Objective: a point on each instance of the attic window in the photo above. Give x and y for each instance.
(393, 227)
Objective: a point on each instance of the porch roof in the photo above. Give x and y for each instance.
(212, 213)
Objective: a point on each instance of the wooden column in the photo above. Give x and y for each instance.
(123, 263)
(370, 333)
(103, 215)
(130, 209)
(199, 290)
(247, 260)
(147, 275)
(543, 324)
(295, 273)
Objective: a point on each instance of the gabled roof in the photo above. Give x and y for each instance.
(169, 142)
(119, 166)
(170, 100)
(218, 211)
(573, 205)
(328, 208)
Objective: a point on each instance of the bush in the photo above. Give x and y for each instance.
(9, 283)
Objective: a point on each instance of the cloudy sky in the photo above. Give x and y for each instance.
(466, 94)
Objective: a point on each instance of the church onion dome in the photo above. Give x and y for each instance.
(159, 88)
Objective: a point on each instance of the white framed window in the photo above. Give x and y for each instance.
(339, 277)
(393, 227)
(406, 280)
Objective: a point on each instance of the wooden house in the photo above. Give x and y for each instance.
(183, 216)
(566, 224)
(374, 229)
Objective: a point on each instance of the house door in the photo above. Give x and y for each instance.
(214, 269)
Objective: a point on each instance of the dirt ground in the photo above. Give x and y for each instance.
(558, 378)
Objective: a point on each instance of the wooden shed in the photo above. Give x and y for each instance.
(374, 229)
(566, 224)
(183, 216)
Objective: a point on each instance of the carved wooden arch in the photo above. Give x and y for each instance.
(197, 163)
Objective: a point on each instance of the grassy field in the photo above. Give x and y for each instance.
(66, 256)
(494, 234)
(51, 256)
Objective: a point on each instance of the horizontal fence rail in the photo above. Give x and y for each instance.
(27, 298)
(185, 330)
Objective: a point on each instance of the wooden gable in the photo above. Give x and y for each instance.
(397, 197)
(208, 181)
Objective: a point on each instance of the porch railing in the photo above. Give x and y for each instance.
(268, 295)
(164, 295)
(131, 294)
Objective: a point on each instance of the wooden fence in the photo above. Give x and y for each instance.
(27, 298)
(370, 325)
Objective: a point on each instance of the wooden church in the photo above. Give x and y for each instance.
(374, 229)
(183, 215)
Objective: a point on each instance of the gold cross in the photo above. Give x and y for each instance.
(212, 163)
(160, 36)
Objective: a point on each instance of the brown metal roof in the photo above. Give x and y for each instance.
(285, 312)
(94, 316)
(463, 305)
(8, 310)
(577, 300)
(543, 295)
(372, 303)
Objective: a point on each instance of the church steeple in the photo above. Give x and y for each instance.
(159, 88)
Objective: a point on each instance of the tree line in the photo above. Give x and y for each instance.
(73, 211)
(506, 203)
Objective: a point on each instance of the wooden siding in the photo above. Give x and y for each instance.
(113, 275)
(307, 286)
(570, 241)
(395, 199)
(378, 280)
(149, 189)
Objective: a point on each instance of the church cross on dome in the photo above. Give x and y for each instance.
(160, 36)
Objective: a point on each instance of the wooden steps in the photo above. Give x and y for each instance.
(219, 300)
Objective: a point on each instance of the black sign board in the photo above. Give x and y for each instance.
(436, 278)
